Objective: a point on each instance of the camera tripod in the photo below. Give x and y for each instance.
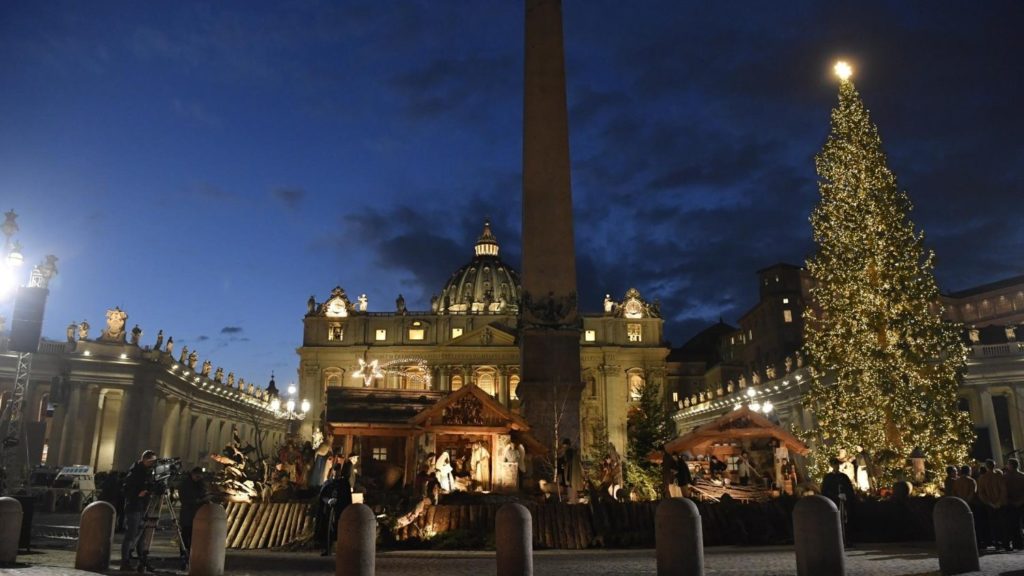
(150, 523)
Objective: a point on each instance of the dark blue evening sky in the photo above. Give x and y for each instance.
(207, 167)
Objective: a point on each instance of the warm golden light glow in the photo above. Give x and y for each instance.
(843, 70)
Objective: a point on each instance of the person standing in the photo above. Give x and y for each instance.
(992, 493)
(1014, 503)
(964, 487)
(668, 474)
(136, 502)
(322, 530)
(838, 488)
(950, 482)
(340, 497)
(684, 478)
(192, 494)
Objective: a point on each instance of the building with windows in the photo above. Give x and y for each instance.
(372, 374)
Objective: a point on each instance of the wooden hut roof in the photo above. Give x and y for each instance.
(735, 425)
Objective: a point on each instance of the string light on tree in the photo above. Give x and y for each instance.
(885, 366)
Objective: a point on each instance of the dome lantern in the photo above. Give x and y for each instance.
(486, 244)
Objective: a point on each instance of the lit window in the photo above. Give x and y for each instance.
(750, 335)
(675, 396)
(785, 300)
(590, 335)
(513, 385)
(787, 316)
(335, 333)
(456, 332)
(380, 454)
(456, 382)
(634, 333)
(485, 381)
(382, 334)
(415, 333)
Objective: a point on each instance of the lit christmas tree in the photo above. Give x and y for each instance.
(885, 365)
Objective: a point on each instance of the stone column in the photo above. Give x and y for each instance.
(1017, 416)
(131, 431)
(183, 445)
(501, 385)
(988, 416)
(155, 440)
(62, 434)
(442, 379)
(172, 424)
(88, 414)
(311, 388)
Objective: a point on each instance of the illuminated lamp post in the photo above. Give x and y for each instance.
(287, 411)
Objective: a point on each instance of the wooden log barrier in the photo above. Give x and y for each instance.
(253, 525)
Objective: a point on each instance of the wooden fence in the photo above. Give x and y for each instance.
(266, 524)
(563, 526)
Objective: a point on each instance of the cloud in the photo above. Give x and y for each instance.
(292, 197)
(231, 330)
(466, 86)
(202, 338)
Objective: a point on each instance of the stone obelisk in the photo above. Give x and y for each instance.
(550, 322)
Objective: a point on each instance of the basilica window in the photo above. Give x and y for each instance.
(787, 316)
(332, 378)
(634, 333)
(415, 378)
(380, 454)
(416, 332)
(513, 385)
(485, 381)
(335, 333)
(456, 332)
(456, 382)
(590, 335)
(382, 335)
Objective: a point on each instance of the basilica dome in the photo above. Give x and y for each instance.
(484, 286)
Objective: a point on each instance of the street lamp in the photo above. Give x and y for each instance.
(289, 412)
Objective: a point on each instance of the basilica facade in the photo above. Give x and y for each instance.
(373, 374)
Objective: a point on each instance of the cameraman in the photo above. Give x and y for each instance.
(136, 502)
(192, 493)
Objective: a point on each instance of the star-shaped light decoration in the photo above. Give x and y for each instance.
(368, 372)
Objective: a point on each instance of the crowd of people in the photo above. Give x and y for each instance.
(996, 497)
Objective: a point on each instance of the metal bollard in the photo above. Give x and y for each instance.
(818, 535)
(678, 538)
(954, 536)
(10, 530)
(356, 553)
(513, 539)
(95, 537)
(209, 535)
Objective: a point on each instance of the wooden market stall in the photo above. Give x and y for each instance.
(718, 453)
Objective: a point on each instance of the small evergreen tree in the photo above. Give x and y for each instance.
(649, 427)
(885, 366)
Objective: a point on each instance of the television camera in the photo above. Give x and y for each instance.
(164, 471)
